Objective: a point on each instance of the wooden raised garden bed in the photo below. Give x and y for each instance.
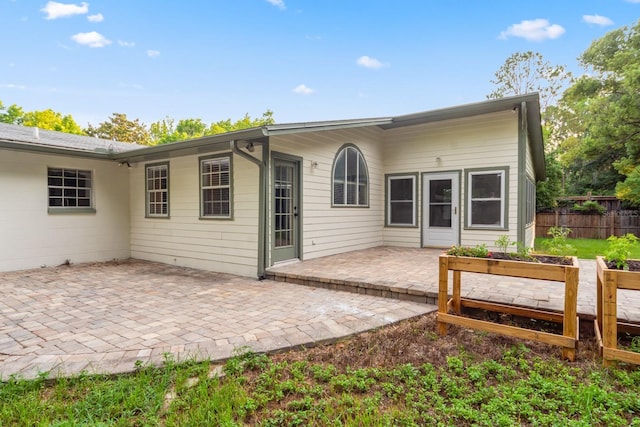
(450, 310)
(607, 324)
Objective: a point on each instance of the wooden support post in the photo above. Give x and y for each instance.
(570, 321)
(457, 307)
(599, 301)
(609, 313)
(443, 292)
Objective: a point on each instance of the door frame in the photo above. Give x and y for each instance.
(297, 239)
(425, 211)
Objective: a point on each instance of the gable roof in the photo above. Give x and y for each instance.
(52, 142)
(26, 138)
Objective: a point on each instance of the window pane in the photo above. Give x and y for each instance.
(401, 188)
(69, 188)
(485, 186)
(485, 212)
(440, 191)
(440, 216)
(401, 213)
(338, 179)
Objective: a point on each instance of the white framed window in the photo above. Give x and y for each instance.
(215, 187)
(157, 185)
(69, 189)
(401, 200)
(350, 178)
(487, 198)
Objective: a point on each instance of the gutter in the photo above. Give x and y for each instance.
(262, 194)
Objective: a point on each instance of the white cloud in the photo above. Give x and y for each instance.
(92, 39)
(369, 62)
(126, 44)
(12, 86)
(55, 10)
(597, 20)
(536, 30)
(95, 18)
(153, 53)
(278, 3)
(303, 90)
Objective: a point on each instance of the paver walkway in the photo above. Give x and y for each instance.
(412, 273)
(102, 318)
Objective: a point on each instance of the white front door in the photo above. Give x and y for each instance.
(440, 210)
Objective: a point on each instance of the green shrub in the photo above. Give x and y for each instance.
(619, 250)
(558, 245)
(589, 207)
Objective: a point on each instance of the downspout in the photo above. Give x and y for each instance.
(522, 172)
(262, 208)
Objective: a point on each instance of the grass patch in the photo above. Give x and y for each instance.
(586, 248)
(515, 384)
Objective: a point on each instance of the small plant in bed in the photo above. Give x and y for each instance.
(619, 251)
(503, 243)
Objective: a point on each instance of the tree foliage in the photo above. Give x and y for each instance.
(601, 118)
(527, 72)
(51, 120)
(119, 128)
(12, 114)
(167, 130)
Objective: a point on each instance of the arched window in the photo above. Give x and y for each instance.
(350, 178)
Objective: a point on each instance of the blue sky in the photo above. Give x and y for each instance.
(305, 60)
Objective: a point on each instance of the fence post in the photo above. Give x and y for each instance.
(613, 226)
(556, 221)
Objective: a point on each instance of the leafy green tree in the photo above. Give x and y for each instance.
(51, 120)
(119, 128)
(602, 117)
(12, 114)
(167, 130)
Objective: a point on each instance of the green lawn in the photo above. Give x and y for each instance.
(517, 388)
(586, 248)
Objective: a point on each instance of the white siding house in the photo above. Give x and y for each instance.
(243, 201)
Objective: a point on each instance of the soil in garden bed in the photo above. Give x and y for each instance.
(545, 259)
(634, 265)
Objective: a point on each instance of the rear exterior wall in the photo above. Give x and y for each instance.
(32, 237)
(183, 238)
(489, 140)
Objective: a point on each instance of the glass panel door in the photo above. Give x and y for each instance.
(284, 218)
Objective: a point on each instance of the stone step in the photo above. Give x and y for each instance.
(392, 290)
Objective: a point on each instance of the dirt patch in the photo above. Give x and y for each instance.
(416, 341)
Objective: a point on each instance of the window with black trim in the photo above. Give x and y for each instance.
(401, 200)
(215, 187)
(157, 184)
(69, 188)
(486, 198)
(350, 178)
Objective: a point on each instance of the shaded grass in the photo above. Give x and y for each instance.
(586, 248)
(518, 387)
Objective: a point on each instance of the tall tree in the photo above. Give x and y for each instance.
(602, 110)
(527, 72)
(119, 128)
(12, 114)
(51, 120)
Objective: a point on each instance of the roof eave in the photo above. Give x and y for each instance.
(59, 151)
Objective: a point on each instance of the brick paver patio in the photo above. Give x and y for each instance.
(102, 318)
(412, 274)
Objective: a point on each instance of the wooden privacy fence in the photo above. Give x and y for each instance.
(589, 225)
